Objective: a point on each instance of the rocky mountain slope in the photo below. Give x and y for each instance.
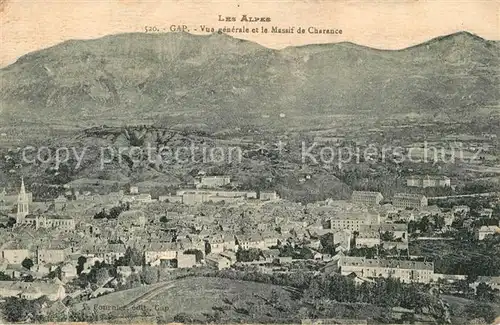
(218, 81)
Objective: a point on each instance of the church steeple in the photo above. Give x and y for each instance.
(22, 203)
(22, 191)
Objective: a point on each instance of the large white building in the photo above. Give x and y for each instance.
(353, 220)
(213, 181)
(428, 181)
(409, 200)
(406, 271)
(366, 197)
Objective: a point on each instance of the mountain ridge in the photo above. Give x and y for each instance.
(220, 80)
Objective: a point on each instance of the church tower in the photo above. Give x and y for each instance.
(22, 203)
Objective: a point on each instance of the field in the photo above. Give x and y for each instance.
(197, 299)
(458, 308)
(204, 299)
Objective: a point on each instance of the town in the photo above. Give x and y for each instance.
(82, 246)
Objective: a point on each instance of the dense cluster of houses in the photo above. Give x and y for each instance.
(173, 232)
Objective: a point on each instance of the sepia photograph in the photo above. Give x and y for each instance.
(305, 162)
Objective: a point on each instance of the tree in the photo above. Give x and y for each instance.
(101, 276)
(387, 236)
(480, 310)
(81, 264)
(149, 275)
(424, 224)
(57, 273)
(21, 310)
(248, 255)
(132, 257)
(439, 222)
(485, 293)
(5, 277)
(27, 263)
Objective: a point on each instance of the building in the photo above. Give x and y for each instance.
(492, 281)
(199, 196)
(217, 261)
(32, 290)
(398, 230)
(484, 231)
(428, 181)
(55, 222)
(353, 220)
(366, 197)
(259, 241)
(268, 196)
(186, 260)
(343, 240)
(368, 239)
(213, 181)
(108, 253)
(50, 256)
(160, 251)
(231, 256)
(60, 203)
(15, 256)
(408, 200)
(132, 218)
(220, 243)
(22, 204)
(406, 271)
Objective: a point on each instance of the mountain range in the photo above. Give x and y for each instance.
(216, 81)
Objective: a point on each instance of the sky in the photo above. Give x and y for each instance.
(29, 25)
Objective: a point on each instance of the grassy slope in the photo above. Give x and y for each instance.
(229, 300)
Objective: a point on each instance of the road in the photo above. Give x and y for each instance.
(159, 288)
(464, 195)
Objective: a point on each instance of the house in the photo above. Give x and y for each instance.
(460, 211)
(186, 260)
(368, 239)
(257, 240)
(160, 251)
(68, 271)
(217, 261)
(482, 232)
(60, 203)
(108, 253)
(230, 255)
(50, 256)
(366, 197)
(15, 256)
(398, 230)
(220, 243)
(284, 259)
(143, 198)
(54, 290)
(409, 200)
(132, 218)
(343, 240)
(268, 196)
